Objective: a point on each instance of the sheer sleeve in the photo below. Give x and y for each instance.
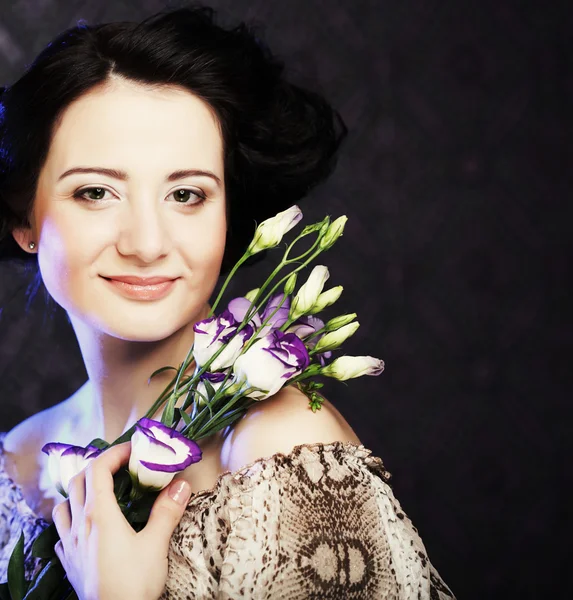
(321, 522)
(15, 518)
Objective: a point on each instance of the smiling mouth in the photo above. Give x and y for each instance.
(138, 288)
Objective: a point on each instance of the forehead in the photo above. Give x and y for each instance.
(128, 125)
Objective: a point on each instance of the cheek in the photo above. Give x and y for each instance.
(203, 247)
(65, 256)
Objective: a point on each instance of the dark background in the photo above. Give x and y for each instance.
(456, 177)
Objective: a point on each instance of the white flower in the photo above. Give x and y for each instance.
(270, 232)
(158, 453)
(348, 367)
(214, 333)
(270, 362)
(309, 292)
(65, 461)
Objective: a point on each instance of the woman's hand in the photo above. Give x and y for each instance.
(105, 559)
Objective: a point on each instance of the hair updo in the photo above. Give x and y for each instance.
(279, 139)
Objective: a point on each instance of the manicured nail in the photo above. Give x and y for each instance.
(180, 491)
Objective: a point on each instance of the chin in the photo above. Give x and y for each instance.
(141, 326)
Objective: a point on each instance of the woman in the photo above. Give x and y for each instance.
(135, 160)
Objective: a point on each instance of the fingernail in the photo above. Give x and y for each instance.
(179, 491)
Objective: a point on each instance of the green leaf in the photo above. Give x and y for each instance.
(160, 371)
(183, 414)
(51, 583)
(4, 592)
(125, 437)
(16, 573)
(209, 388)
(99, 443)
(43, 546)
(169, 412)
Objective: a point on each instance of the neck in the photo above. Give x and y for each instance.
(118, 391)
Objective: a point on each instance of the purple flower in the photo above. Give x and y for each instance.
(158, 453)
(239, 308)
(270, 362)
(307, 326)
(281, 311)
(65, 461)
(215, 332)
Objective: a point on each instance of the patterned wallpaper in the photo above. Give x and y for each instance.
(456, 177)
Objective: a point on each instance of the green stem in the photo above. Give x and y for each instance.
(227, 280)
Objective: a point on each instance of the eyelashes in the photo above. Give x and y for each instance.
(181, 196)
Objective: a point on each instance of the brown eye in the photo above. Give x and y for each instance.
(95, 193)
(91, 194)
(189, 197)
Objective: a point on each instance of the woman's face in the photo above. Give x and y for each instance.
(133, 187)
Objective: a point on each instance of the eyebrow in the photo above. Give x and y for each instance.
(122, 175)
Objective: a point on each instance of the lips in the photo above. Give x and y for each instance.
(141, 288)
(142, 281)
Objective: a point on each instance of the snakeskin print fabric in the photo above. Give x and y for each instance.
(320, 522)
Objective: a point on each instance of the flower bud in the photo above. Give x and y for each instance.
(309, 292)
(290, 284)
(333, 232)
(332, 340)
(338, 322)
(250, 296)
(326, 299)
(270, 232)
(349, 367)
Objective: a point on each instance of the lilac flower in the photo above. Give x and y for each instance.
(158, 453)
(65, 461)
(215, 332)
(280, 306)
(270, 362)
(239, 307)
(277, 304)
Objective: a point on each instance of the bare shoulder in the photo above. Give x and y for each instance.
(23, 444)
(280, 423)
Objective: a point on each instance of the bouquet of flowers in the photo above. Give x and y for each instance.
(267, 339)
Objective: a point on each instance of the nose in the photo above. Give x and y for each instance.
(143, 233)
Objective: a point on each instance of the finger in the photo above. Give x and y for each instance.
(166, 513)
(59, 550)
(62, 518)
(77, 494)
(99, 476)
(76, 498)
